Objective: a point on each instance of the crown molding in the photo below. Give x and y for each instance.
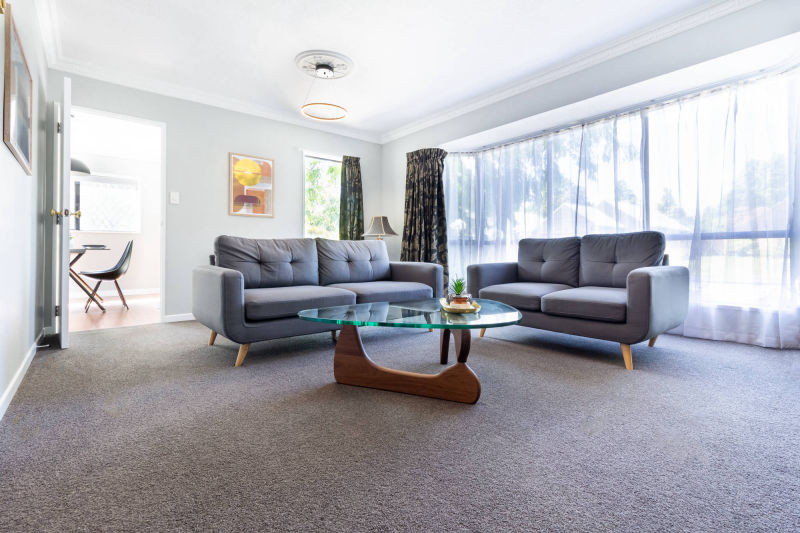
(181, 92)
(652, 34)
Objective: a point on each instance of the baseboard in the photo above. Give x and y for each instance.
(183, 317)
(113, 292)
(8, 394)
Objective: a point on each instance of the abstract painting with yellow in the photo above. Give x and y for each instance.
(251, 186)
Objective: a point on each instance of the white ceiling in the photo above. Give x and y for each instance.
(417, 62)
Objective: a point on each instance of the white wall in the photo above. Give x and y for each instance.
(22, 224)
(759, 23)
(198, 139)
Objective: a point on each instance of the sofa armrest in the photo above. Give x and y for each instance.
(218, 298)
(486, 274)
(430, 274)
(658, 298)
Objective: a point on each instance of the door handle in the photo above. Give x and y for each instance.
(66, 213)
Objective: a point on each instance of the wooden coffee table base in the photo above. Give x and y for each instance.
(352, 366)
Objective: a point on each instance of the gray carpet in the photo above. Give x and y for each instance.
(148, 429)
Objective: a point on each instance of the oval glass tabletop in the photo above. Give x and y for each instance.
(426, 313)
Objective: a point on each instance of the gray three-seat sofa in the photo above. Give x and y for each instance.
(256, 287)
(613, 287)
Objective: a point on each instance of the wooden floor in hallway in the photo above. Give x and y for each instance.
(144, 309)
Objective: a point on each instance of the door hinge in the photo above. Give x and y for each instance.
(58, 310)
(59, 127)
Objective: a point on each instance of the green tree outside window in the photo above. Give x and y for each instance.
(322, 191)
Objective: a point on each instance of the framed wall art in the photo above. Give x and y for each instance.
(17, 98)
(252, 186)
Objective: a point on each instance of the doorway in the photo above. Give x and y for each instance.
(116, 184)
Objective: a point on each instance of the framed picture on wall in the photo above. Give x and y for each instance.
(17, 98)
(252, 186)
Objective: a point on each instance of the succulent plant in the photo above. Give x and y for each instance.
(458, 286)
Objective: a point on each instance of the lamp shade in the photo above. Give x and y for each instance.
(79, 167)
(379, 227)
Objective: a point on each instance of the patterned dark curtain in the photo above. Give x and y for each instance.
(425, 227)
(351, 203)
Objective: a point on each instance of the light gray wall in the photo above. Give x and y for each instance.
(22, 225)
(198, 139)
(759, 23)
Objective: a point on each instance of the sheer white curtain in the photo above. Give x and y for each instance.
(716, 172)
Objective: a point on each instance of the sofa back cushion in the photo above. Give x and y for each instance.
(606, 260)
(269, 262)
(549, 260)
(352, 261)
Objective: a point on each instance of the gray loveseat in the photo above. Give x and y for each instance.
(611, 287)
(257, 286)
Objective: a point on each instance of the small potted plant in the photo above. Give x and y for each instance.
(458, 294)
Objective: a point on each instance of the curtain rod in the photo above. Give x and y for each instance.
(777, 70)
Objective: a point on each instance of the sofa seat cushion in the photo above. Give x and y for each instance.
(608, 304)
(386, 291)
(522, 295)
(282, 302)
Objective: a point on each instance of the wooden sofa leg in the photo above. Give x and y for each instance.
(652, 341)
(483, 330)
(242, 353)
(333, 335)
(212, 338)
(626, 355)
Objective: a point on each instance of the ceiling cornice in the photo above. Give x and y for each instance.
(702, 15)
(201, 97)
(640, 39)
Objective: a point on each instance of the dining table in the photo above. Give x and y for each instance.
(77, 253)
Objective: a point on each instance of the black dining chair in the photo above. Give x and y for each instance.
(112, 274)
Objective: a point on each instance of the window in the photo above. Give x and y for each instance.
(717, 172)
(321, 194)
(107, 204)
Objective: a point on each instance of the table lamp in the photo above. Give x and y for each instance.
(379, 227)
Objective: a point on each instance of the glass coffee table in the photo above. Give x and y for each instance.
(458, 383)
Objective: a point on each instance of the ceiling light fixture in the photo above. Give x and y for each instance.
(323, 65)
(323, 111)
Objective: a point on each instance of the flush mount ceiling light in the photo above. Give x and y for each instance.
(323, 65)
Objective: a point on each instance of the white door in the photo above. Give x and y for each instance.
(60, 214)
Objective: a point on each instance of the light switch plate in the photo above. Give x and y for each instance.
(174, 197)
